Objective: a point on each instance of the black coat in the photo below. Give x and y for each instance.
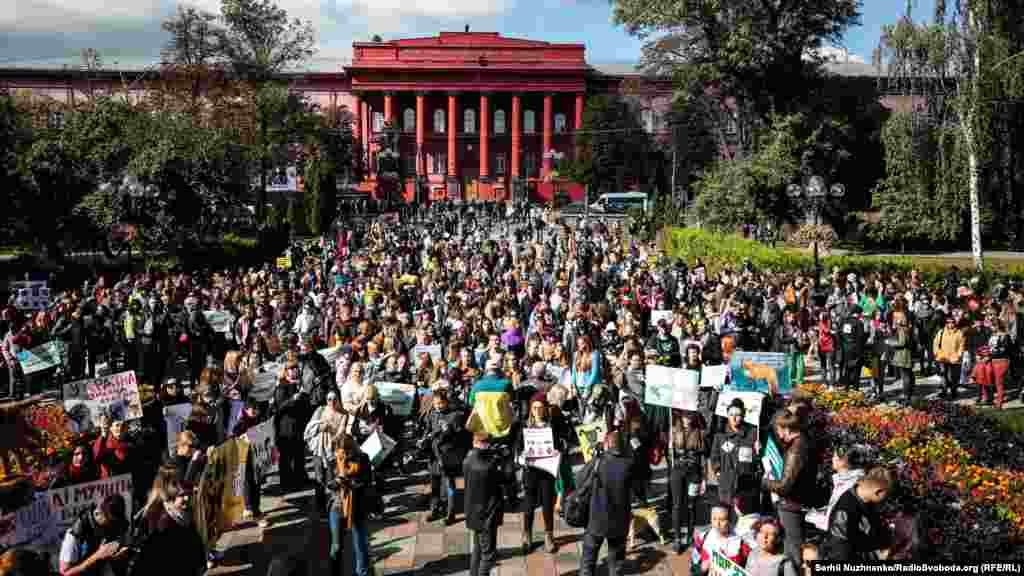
(291, 413)
(484, 482)
(170, 544)
(852, 339)
(733, 454)
(855, 530)
(610, 501)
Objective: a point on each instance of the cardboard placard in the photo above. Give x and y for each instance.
(538, 443)
(751, 400)
(713, 376)
(264, 448)
(116, 395)
(175, 417)
(671, 387)
(219, 320)
(43, 357)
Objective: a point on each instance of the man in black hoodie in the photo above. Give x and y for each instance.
(485, 480)
(851, 341)
(855, 529)
(609, 508)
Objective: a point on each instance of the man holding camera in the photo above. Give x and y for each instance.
(93, 543)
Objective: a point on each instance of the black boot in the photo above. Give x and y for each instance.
(679, 547)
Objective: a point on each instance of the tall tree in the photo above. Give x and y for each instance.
(755, 56)
(195, 37)
(260, 40)
(614, 145)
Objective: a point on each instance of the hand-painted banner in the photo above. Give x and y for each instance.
(221, 497)
(175, 417)
(671, 387)
(48, 355)
(401, 397)
(42, 523)
(116, 395)
(264, 448)
(761, 372)
(219, 320)
(723, 566)
(751, 401)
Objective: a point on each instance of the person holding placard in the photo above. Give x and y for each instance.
(540, 484)
(732, 461)
(797, 489)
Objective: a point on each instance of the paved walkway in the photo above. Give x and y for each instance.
(404, 543)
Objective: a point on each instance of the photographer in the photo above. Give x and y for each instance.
(92, 543)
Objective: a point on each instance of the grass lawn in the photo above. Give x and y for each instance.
(1012, 420)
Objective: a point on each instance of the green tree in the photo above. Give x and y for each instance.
(755, 56)
(15, 139)
(260, 40)
(195, 37)
(614, 145)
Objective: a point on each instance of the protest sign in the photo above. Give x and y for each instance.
(342, 280)
(671, 387)
(401, 397)
(751, 400)
(30, 294)
(116, 395)
(220, 500)
(658, 315)
(591, 436)
(538, 443)
(761, 372)
(264, 381)
(772, 460)
(42, 523)
(284, 263)
(219, 320)
(549, 464)
(48, 355)
(713, 376)
(377, 447)
(723, 566)
(432, 350)
(175, 417)
(264, 448)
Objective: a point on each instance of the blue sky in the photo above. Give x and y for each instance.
(129, 30)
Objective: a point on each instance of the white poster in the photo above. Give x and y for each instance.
(658, 315)
(175, 416)
(264, 381)
(549, 464)
(377, 447)
(30, 295)
(671, 387)
(219, 320)
(751, 401)
(538, 443)
(264, 449)
(116, 395)
(714, 376)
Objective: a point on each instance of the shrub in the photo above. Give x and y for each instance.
(823, 234)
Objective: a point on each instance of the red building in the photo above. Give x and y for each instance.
(476, 112)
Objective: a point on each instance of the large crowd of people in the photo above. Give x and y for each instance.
(503, 322)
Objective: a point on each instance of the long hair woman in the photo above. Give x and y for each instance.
(686, 486)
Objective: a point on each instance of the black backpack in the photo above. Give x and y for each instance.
(576, 504)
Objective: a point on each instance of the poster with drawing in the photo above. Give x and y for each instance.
(760, 372)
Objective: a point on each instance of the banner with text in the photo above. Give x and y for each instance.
(751, 401)
(723, 566)
(221, 497)
(116, 395)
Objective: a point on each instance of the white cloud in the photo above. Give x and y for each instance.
(838, 54)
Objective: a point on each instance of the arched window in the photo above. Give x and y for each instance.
(409, 120)
(499, 121)
(439, 121)
(559, 123)
(469, 121)
(529, 122)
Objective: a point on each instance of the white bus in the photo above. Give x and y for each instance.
(621, 202)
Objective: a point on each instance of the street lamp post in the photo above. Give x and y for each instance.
(817, 195)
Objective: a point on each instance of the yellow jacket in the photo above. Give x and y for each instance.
(949, 345)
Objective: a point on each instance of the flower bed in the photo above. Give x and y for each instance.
(972, 503)
(53, 443)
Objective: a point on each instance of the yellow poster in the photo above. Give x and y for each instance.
(284, 263)
(221, 497)
(591, 436)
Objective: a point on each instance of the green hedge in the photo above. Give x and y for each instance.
(719, 251)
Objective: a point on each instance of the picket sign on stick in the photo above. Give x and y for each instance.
(116, 395)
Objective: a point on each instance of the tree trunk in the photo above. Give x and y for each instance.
(970, 140)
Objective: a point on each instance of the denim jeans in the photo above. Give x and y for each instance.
(360, 544)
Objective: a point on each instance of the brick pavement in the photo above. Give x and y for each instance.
(404, 543)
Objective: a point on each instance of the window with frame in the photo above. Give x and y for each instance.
(469, 121)
(409, 120)
(559, 123)
(378, 121)
(499, 121)
(439, 163)
(529, 122)
(439, 124)
(499, 163)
